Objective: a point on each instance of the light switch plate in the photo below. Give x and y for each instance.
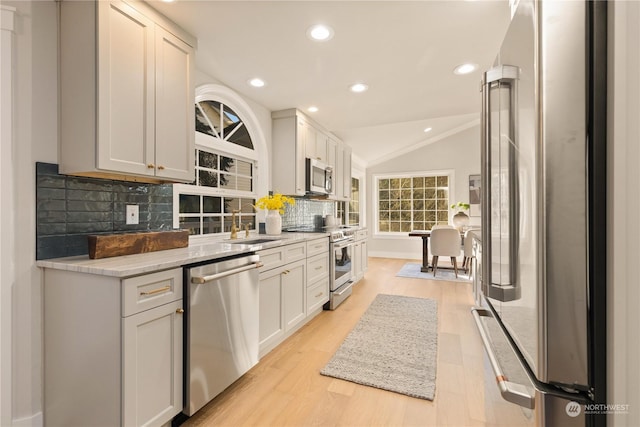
(132, 214)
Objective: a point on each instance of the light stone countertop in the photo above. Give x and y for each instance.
(203, 250)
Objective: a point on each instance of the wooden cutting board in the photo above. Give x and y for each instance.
(110, 245)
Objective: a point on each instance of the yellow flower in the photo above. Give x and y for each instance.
(274, 202)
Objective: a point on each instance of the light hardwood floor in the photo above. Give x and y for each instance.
(286, 388)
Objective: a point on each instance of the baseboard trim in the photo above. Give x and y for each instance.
(34, 420)
(398, 255)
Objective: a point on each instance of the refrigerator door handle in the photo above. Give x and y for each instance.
(512, 392)
(504, 286)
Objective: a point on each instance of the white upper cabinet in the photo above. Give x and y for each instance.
(295, 137)
(127, 93)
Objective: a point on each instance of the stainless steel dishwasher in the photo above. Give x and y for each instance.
(222, 327)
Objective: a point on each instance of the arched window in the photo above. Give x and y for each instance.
(230, 169)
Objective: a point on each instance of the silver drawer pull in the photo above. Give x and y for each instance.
(155, 291)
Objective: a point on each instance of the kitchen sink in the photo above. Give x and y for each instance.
(252, 241)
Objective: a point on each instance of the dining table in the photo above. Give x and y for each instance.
(424, 234)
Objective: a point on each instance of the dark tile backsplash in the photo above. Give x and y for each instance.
(69, 208)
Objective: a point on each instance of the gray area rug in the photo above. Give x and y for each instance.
(392, 347)
(412, 269)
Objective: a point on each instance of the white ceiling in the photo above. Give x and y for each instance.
(404, 50)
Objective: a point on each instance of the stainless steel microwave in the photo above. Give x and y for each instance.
(319, 177)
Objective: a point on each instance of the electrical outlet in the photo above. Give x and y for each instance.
(132, 214)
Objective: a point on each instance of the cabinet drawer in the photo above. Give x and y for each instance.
(295, 252)
(361, 234)
(271, 258)
(317, 294)
(319, 246)
(317, 268)
(151, 290)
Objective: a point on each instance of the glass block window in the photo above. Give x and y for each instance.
(354, 203)
(407, 203)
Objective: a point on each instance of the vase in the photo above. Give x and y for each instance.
(460, 220)
(273, 222)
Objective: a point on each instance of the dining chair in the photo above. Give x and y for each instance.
(445, 242)
(468, 247)
(437, 226)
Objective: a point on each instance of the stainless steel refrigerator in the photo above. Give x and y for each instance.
(541, 302)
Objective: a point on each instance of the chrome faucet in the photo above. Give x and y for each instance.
(234, 227)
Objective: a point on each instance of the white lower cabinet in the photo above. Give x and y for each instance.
(112, 348)
(294, 294)
(360, 255)
(152, 365)
(288, 298)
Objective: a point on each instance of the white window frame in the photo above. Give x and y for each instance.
(258, 156)
(375, 193)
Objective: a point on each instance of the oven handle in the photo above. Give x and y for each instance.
(199, 280)
(511, 392)
(346, 288)
(342, 243)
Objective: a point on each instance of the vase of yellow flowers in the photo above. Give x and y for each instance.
(274, 204)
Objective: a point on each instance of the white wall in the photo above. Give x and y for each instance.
(34, 139)
(623, 297)
(459, 152)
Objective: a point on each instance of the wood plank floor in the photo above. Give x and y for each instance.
(286, 389)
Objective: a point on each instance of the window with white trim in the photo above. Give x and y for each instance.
(225, 174)
(411, 202)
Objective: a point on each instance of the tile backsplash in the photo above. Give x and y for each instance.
(307, 213)
(69, 208)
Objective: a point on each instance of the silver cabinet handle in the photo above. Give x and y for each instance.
(199, 280)
(511, 392)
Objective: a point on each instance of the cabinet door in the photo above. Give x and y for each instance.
(299, 165)
(152, 366)
(365, 256)
(338, 172)
(271, 327)
(322, 141)
(175, 122)
(126, 125)
(357, 260)
(346, 177)
(294, 292)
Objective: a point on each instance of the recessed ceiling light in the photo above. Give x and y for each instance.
(312, 109)
(358, 87)
(465, 69)
(320, 33)
(168, 1)
(427, 130)
(256, 82)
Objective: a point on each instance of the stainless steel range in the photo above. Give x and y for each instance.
(341, 250)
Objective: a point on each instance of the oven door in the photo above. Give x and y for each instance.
(341, 263)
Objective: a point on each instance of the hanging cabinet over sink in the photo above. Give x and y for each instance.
(126, 93)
